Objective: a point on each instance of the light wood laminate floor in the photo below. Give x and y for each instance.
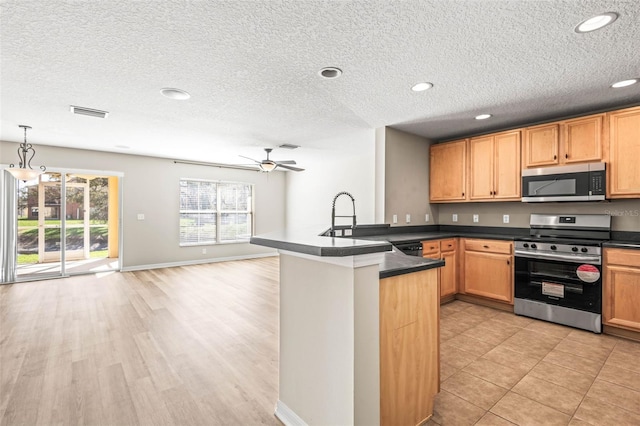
(194, 345)
(198, 345)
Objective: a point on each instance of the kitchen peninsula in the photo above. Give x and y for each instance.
(358, 332)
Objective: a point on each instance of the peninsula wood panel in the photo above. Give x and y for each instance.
(409, 366)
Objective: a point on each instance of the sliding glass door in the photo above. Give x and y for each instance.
(67, 223)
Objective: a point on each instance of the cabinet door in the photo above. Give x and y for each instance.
(448, 274)
(624, 151)
(622, 297)
(481, 156)
(582, 139)
(507, 171)
(540, 146)
(447, 173)
(498, 284)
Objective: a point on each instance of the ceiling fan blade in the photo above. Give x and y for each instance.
(286, 162)
(255, 161)
(295, 169)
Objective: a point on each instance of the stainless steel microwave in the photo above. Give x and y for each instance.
(580, 182)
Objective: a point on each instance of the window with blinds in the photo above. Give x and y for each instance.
(215, 212)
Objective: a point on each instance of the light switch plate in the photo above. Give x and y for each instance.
(505, 218)
(395, 218)
(140, 216)
(454, 217)
(476, 218)
(408, 218)
(426, 217)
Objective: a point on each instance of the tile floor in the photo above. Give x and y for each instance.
(498, 368)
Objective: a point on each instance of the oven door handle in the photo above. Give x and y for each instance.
(569, 258)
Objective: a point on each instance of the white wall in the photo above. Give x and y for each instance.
(151, 187)
(346, 163)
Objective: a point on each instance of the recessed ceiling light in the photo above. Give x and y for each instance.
(330, 72)
(596, 22)
(421, 87)
(177, 94)
(483, 116)
(624, 83)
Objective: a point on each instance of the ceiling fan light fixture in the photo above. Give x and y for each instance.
(624, 83)
(267, 166)
(596, 22)
(330, 72)
(176, 94)
(26, 152)
(483, 116)
(421, 87)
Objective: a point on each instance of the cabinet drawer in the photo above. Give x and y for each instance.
(449, 244)
(430, 247)
(613, 256)
(490, 246)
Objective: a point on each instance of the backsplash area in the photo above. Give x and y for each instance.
(625, 214)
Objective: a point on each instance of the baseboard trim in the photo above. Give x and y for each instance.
(478, 300)
(621, 332)
(287, 416)
(195, 262)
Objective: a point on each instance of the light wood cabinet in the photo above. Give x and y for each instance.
(621, 289)
(494, 167)
(624, 152)
(447, 171)
(578, 140)
(479, 257)
(409, 349)
(446, 250)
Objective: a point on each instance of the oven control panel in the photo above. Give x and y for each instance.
(534, 246)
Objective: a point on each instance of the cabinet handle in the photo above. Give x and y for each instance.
(566, 156)
(490, 192)
(508, 262)
(486, 247)
(555, 157)
(463, 194)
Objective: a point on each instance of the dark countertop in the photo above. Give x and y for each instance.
(320, 246)
(633, 245)
(398, 263)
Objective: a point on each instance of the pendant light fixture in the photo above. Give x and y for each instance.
(26, 152)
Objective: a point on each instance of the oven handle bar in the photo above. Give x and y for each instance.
(569, 258)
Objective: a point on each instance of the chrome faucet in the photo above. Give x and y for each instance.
(333, 212)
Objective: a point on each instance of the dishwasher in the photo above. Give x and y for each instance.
(411, 249)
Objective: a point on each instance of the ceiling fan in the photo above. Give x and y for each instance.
(268, 165)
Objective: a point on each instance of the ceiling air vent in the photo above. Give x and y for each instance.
(288, 146)
(88, 111)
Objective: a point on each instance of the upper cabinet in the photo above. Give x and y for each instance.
(624, 152)
(494, 167)
(579, 140)
(447, 175)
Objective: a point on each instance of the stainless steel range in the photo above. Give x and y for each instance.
(558, 269)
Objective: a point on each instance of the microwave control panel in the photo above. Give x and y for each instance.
(597, 184)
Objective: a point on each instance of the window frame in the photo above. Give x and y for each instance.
(218, 213)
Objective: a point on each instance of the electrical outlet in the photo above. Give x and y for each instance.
(408, 218)
(505, 218)
(395, 218)
(140, 216)
(426, 217)
(204, 251)
(476, 218)
(454, 217)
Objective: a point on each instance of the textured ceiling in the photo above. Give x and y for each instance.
(252, 70)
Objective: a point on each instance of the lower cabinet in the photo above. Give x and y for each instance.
(447, 250)
(487, 269)
(621, 288)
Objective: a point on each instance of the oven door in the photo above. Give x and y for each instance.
(559, 282)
